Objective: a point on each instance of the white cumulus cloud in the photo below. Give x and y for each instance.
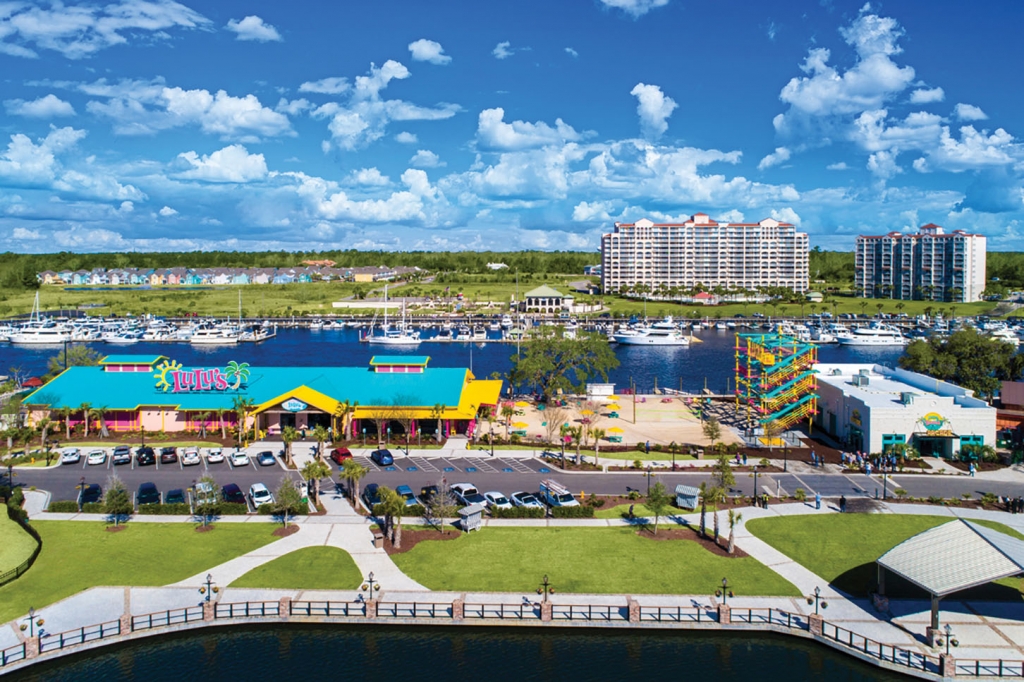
(253, 28)
(424, 50)
(780, 155)
(49, 106)
(969, 112)
(927, 96)
(571, 52)
(167, 212)
(230, 164)
(502, 50)
(634, 8)
(424, 158)
(494, 133)
(406, 137)
(654, 108)
(328, 86)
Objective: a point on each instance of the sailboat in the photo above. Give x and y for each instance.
(401, 335)
(39, 331)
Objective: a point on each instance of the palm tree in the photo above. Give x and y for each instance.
(716, 495)
(242, 406)
(734, 518)
(289, 435)
(352, 472)
(44, 426)
(220, 411)
(394, 509)
(343, 410)
(437, 412)
(598, 434)
(84, 409)
(320, 433)
(508, 410)
(202, 418)
(65, 414)
(314, 470)
(97, 414)
(705, 492)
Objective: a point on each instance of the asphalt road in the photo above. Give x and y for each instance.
(507, 475)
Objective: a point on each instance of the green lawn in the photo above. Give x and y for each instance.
(609, 561)
(843, 548)
(630, 456)
(77, 555)
(15, 544)
(311, 568)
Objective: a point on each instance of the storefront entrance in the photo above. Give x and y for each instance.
(287, 419)
(934, 446)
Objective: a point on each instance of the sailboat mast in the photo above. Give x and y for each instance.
(385, 307)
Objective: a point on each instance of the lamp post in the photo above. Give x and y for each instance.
(724, 592)
(649, 473)
(32, 622)
(785, 453)
(545, 588)
(950, 639)
(816, 599)
(755, 484)
(81, 493)
(208, 589)
(371, 584)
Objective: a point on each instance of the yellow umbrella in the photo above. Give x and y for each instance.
(615, 429)
(587, 413)
(522, 403)
(612, 406)
(614, 397)
(520, 425)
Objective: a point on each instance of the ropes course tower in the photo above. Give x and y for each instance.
(775, 379)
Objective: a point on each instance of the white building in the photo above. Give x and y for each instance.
(930, 265)
(703, 251)
(870, 407)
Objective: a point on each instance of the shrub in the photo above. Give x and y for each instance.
(989, 498)
(900, 493)
(800, 495)
(634, 494)
(93, 508)
(268, 510)
(637, 464)
(17, 497)
(413, 510)
(935, 499)
(178, 509)
(764, 462)
(581, 512)
(595, 501)
(233, 509)
(518, 513)
(63, 506)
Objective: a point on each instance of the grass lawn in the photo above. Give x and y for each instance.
(843, 548)
(618, 511)
(609, 561)
(15, 544)
(77, 555)
(631, 455)
(312, 568)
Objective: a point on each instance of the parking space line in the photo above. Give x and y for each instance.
(447, 463)
(516, 465)
(367, 462)
(423, 464)
(481, 464)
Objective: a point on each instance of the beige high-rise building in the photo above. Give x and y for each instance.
(703, 251)
(930, 265)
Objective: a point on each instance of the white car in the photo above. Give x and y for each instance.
(215, 456)
(260, 495)
(239, 459)
(190, 457)
(70, 456)
(97, 457)
(496, 500)
(525, 499)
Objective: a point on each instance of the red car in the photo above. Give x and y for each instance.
(339, 455)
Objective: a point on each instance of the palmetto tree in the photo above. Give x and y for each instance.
(314, 470)
(237, 371)
(242, 406)
(44, 427)
(84, 409)
(352, 472)
(437, 412)
(97, 414)
(289, 435)
(344, 410)
(320, 434)
(734, 518)
(65, 414)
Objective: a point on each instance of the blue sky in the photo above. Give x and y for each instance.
(471, 124)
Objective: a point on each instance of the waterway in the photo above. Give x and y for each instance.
(426, 654)
(709, 363)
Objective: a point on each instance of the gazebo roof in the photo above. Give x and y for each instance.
(955, 556)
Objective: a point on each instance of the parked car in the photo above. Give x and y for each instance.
(339, 455)
(554, 494)
(190, 458)
(145, 456)
(525, 499)
(92, 493)
(176, 496)
(496, 500)
(122, 455)
(467, 494)
(148, 494)
(405, 492)
(96, 457)
(426, 493)
(260, 495)
(233, 494)
(266, 459)
(215, 456)
(70, 456)
(239, 459)
(169, 455)
(371, 495)
(382, 458)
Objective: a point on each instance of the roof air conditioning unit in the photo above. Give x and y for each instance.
(907, 398)
(860, 380)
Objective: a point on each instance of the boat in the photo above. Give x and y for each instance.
(662, 333)
(1005, 335)
(400, 335)
(875, 334)
(479, 334)
(506, 322)
(123, 338)
(39, 331)
(214, 336)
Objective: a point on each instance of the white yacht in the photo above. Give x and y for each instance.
(876, 334)
(1005, 335)
(400, 335)
(214, 336)
(38, 331)
(124, 337)
(662, 333)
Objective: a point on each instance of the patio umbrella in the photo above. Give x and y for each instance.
(612, 406)
(614, 397)
(587, 413)
(616, 429)
(522, 403)
(520, 425)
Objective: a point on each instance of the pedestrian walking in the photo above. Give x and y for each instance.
(817, 500)
(764, 500)
(814, 459)
(971, 469)
(842, 504)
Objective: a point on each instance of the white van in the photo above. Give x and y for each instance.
(554, 494)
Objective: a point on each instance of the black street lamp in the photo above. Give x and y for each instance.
(545, 588)
(371, 584)
(725, 592)
(32, 622)
(816, 599)
(81, 493)
(755, 484)
(649, 473)
(209, 588)
(950, 639)
(785, 453)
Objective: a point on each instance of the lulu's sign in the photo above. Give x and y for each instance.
(171, 376)
(933, 421)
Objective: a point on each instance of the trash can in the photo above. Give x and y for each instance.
(378, 540)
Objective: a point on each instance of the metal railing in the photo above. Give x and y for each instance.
(677, 614)
(326, 608)
(589, 612)
(520, 611)
(169, 617)
(883, 652)
(996, 668)
(12, 654)
(89, 633)
(413, 610)
(769, 617)
(247, 609)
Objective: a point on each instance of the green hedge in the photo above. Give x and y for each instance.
(581, 512)
(413, 510)
(233, 509)
(177, 509)
(267, 510)
(63, 506)
(518, 513)
(17, 498)
(93, 508)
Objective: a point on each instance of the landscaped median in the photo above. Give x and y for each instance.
(843, 548)
(77, 555)
(592, 560)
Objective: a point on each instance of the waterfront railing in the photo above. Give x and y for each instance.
(12, 654)
(329, 609)
(521, 611)
(883, 652)
(770, 617)
(247, 609)
(165, 618)
(996, 668)
(589, 612)
(677, 614)
(413, 610)
(89, 633)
